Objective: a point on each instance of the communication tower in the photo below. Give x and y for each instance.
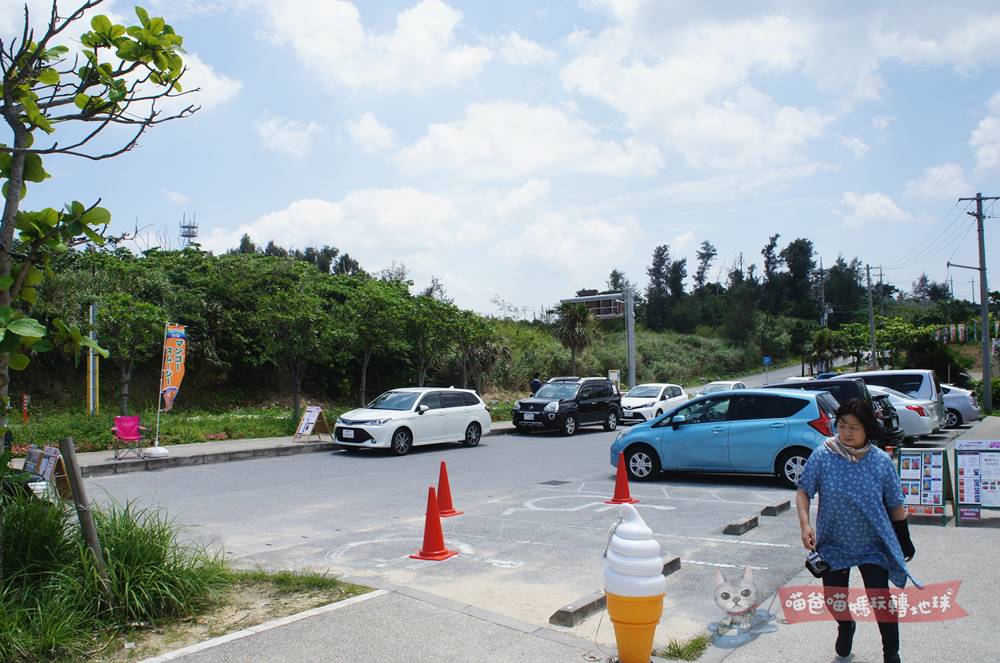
(189, 230)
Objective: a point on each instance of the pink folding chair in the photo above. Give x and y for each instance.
(127, 435)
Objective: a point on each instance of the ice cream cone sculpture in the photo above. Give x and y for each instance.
(634, 585)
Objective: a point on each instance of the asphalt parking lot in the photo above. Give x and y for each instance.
(531, 538)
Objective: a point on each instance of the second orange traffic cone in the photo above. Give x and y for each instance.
(445, 508)
(622, 495)
(433, 547)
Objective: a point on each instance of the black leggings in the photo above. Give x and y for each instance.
(875, 578)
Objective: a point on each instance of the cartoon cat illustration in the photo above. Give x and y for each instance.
(737, 598)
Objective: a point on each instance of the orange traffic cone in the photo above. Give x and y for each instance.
(445, 507)
(433, 548)
(622, 496)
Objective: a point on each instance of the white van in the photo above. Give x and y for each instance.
(917, 382)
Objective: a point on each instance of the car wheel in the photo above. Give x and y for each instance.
(522, 430)
(611, 422)
(642, 463)
(472, 434)
(402, 440)
(790, 466)
(569, 425)
(952, 418)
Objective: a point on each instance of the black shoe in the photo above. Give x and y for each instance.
(845, 638)
(890, 658)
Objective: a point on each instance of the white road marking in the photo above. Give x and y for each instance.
(730, 541)
(722, 566)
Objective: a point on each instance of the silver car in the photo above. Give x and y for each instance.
(960, 405)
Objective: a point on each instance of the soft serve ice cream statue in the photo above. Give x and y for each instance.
(634, 585)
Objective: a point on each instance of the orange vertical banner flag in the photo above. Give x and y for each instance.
(174, 356)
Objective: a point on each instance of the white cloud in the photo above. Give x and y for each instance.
(176, 197)
(985, 137)
(694, 90)
(944, 181)
(288, 137)
(370, 135)
(882, 122)
(214, 88)
(517, 50)
(865, 208)
(855, 145)
(373, 225)
(506, 139)
(682, 242)
(422, 51)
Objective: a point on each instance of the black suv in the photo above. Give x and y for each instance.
(848, 389)
(565, 404)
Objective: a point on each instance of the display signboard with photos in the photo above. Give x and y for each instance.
(926, 480)
(977, 479)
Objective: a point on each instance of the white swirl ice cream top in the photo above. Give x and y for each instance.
(633, 566)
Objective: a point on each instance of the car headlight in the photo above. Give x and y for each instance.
(649, 404)
(621, 434)
(378, 422)
(517, 405)
(552, 407)
(340, 420)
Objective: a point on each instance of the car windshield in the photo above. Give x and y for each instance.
(643, 391)
(714, 387)
(394, 400)
(558, 390)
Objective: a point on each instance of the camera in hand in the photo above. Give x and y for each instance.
(816, 564)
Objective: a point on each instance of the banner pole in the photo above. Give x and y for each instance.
(156, 451)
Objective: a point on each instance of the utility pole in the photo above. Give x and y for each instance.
(822, 295)
(872, 362)
(984, 298)
(881, 293)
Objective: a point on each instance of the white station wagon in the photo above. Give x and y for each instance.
(648, 401)
(402, 418)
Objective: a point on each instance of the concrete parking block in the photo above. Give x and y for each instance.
(575, 612)
(672, 565)
(741, 526)
(775, 509)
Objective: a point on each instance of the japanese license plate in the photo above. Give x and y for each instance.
(347, 433)
(529, 416)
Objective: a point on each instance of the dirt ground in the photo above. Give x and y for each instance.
(247, 604)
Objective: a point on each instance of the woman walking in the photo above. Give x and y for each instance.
(860, 521)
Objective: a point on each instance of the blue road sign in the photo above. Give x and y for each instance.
(767, 361)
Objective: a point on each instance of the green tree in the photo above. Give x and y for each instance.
(376, 309)
(658, 288)
(706, 254)
(824, 348)
(844, 291)
(131, 331)
(117, 78)
(574, 329)
(432, 328)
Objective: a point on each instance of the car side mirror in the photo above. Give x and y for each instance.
(677, 421)
(422, 409)
(663, 397)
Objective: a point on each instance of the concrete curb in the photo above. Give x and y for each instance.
(741, 526)
(573, 613)
(284, 449)
(775, 509)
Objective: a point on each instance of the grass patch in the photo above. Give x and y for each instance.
(298, 582)
(178, 427)
(685, 650)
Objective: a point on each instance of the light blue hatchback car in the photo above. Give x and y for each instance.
(750, 431)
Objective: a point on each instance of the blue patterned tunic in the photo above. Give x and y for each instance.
(852, 523)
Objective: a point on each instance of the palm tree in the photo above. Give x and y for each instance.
(826, 345)
(574, 329)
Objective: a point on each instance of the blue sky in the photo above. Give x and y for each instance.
(522, 150)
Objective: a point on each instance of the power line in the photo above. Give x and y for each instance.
(926, 237)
